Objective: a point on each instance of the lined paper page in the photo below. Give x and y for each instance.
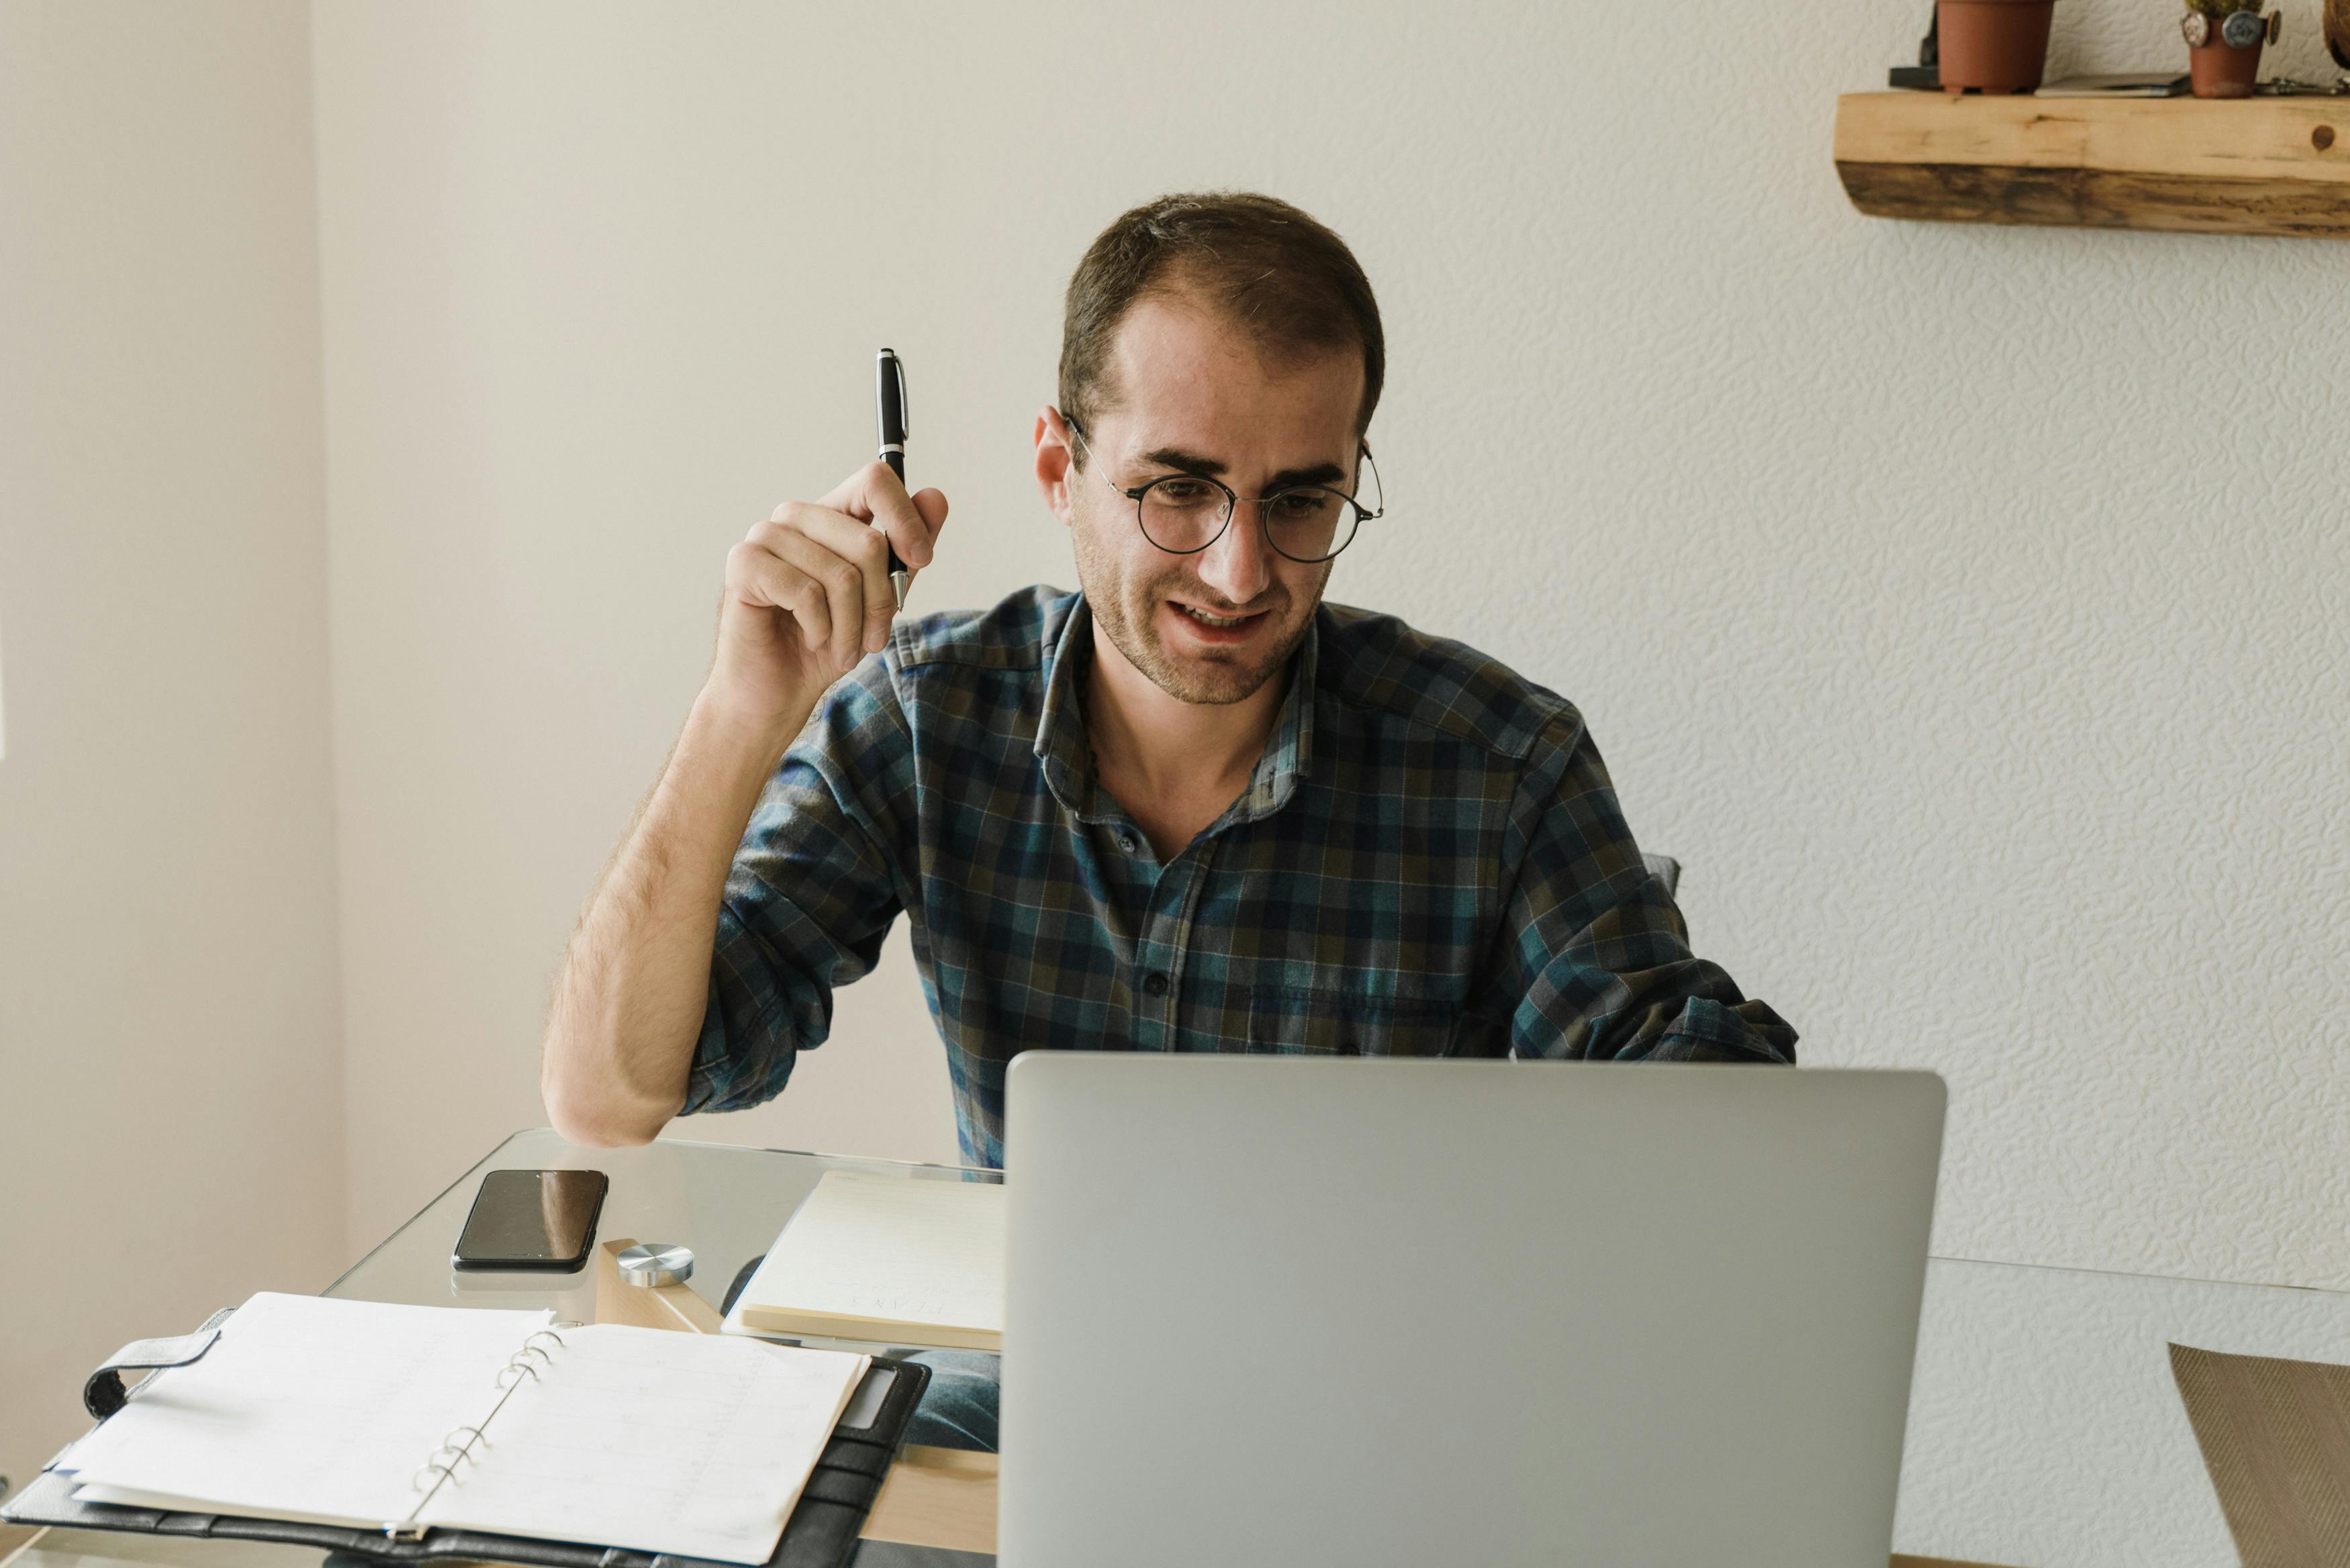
(679, 1443)
(889, 1249)
(306, 1408)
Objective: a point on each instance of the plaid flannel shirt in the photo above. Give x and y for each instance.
(1427, 861)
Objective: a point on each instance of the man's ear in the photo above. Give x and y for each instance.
(1056, 462)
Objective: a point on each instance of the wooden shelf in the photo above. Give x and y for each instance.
(2250, 166)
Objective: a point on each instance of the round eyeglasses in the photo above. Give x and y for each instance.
(1184, 513)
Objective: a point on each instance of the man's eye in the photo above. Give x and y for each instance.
(1303, 506)
(1181, 492)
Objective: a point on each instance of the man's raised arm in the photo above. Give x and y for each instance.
(807, 595)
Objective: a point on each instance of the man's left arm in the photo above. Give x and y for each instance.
(1593, 959)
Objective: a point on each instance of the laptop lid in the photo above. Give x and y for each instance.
(1296, 1310)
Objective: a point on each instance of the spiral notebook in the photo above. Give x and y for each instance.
(407, 1418)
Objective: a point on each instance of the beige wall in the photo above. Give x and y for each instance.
(171, 1112)
(1964, 605)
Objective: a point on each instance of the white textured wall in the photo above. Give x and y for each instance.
(1964, 605)
(171, 1107)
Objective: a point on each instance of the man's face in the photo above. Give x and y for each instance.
(1192, 396)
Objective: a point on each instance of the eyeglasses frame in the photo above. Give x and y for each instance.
(1232, 500)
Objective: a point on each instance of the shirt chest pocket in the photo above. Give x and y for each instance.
(1331, 1022)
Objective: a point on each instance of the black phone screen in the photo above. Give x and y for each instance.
(532, 1219)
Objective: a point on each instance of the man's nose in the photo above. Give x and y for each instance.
(1239, 565)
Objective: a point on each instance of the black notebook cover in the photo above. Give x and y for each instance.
(821, 1532)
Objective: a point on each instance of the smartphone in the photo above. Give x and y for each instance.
(532, 1219)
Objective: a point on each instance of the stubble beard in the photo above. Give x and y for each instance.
(1126, 613)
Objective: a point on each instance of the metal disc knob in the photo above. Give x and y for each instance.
(654, 1263)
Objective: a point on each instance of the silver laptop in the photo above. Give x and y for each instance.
(1297, 1310)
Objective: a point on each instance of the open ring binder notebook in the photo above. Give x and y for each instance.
(407, 1433)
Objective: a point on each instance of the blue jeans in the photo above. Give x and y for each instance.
(959, 1409)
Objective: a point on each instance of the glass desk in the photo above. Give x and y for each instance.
(2044, 1430)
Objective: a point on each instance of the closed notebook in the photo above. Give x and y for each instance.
(372, 1414)
(887, 1261)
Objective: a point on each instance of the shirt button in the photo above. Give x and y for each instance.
(1155, 983)
(1126, 841)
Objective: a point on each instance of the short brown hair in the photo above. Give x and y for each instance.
(1272, 269)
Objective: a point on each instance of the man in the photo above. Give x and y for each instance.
(1191, 807)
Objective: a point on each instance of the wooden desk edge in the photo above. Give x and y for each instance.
(937, 1497)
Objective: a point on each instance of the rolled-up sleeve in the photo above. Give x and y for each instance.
(1593, 958)
(813, 890)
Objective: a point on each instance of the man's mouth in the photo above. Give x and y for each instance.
(1224, 622)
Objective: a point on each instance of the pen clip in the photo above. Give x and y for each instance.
(905, 411)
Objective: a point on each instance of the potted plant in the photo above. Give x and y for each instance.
(2223, 45)
(1993, 46)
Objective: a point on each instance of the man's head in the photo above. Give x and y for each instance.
(1230, 337)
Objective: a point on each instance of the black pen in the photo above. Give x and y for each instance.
(890, 401)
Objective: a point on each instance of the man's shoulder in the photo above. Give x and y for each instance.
(1377, 664)
(1018, 633)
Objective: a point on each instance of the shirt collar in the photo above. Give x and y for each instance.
(1061, 725)
(1062, 753)
(1289, 750)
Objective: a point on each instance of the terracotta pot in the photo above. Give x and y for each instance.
(2220, 69)
(1993, 46)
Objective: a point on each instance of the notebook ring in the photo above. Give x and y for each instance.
(416, 1482)
(463, 1450)
(513, 1367)
(544, 1359)
(541, 1334)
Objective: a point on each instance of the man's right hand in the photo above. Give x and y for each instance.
(807, 595)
